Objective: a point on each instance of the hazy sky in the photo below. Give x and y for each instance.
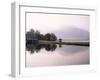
(54, 23)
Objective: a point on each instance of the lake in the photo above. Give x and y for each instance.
(56, 55)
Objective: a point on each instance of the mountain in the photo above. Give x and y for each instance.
(73, 34)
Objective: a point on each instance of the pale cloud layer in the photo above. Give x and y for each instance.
(55, 22)
(63, 26)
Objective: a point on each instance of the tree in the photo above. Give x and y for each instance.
(29, 36)
(42, 37)
(36, 35)
(32, 30)
(53, 37)
(48, 36)
(60, 40)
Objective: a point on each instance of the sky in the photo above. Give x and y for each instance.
(63, 26)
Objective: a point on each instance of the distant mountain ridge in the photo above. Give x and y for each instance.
(73, 34)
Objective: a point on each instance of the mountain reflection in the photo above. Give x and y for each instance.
(36, 47)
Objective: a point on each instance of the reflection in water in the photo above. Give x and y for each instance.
(71, 49)
(66, 50)
(55, 55)
(35, 47)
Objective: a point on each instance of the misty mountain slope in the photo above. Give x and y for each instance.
(73, 34)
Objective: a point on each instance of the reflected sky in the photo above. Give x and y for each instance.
(65, 55)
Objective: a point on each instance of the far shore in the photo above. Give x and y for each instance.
(78, 43)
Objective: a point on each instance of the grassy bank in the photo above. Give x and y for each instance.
(79, 43)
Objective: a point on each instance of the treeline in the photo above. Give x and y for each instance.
(36, 35)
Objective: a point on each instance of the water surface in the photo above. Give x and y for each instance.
(56, 55)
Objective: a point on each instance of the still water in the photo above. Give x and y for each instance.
(56, 55)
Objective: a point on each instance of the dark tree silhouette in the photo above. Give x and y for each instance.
(42, 37)
(47, 36)
(33, 36)
(50, 37)
(53, 37)
(60, 40)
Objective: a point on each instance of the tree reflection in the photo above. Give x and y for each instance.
(36, 47)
